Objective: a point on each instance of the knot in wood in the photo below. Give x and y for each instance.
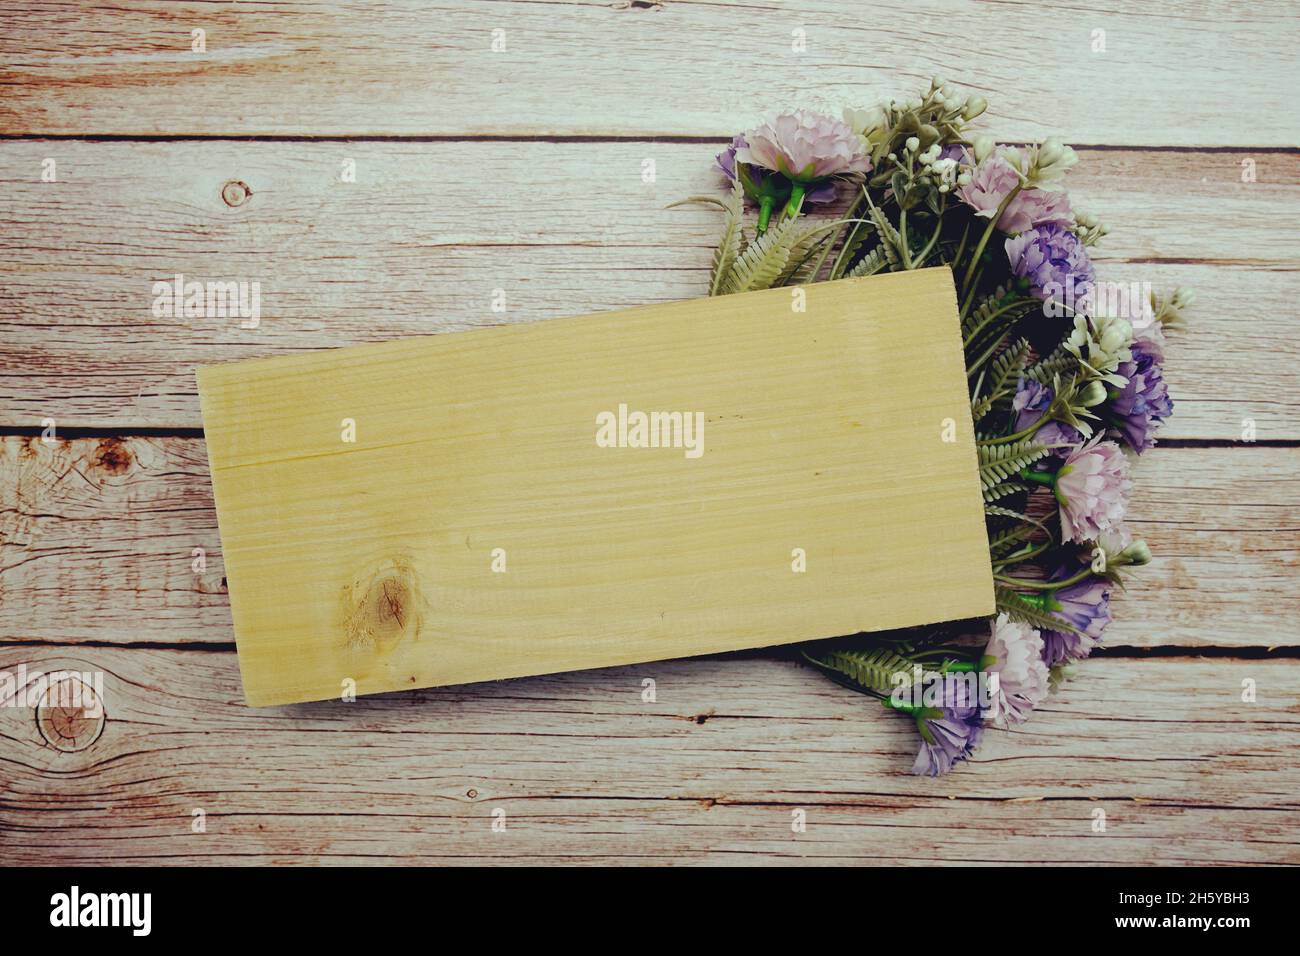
(71, 715)
(235, 193)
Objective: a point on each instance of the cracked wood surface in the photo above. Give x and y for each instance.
(398, 254)
(711, 771)
(100, 537)
(1173, 73)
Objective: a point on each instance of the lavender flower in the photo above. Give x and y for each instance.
(949, 733)
(994, 177)
(1031, 402)
(1092, 488)
(1138, 410)
(804, 146)
(1053, 259)
(820, 194)
(1086, 606)
(1018, 662)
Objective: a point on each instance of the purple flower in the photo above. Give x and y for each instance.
(1086, 606)
(804, 146)
(1092, 488)
(727, 158)
(1030, 404)
(1053, 259)
(949, 733)
(995, 177)
(1142, 406)
(1017, 662)
(820, 194)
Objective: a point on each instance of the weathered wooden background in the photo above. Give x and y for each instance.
(520, 169)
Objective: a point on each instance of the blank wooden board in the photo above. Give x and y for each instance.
(448, 509)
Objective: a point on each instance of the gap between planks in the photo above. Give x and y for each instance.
(711, 139)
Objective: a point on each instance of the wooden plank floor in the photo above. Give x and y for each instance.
(520, 170)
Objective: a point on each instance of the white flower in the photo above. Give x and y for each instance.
(1018, 675)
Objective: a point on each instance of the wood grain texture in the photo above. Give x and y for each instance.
(470, 507)
(710, 771)
(97, 539)
(1177, 72)
(430, 231)
(97, 534)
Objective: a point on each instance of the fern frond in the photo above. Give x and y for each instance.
(890, 240)
(873, 262)
(983, 309)
(1045, 371)
(852, 244)
(872, 669)
(729, 245)
(997, 511)
(1002, 489)
(805, 262)
(1018, 609)
(1005, 541)
(1003, 374)
(1008, 366)
(759, 266)
(998, 463)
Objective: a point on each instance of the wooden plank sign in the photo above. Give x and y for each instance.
(659, 482)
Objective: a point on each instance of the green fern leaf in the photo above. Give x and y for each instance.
(729, 246)
(1002, 489)
(761, 265)
(1003, 542)
(1018, 609)
(999, 463)
(873, 669)
(873, 262)
(1045, 371)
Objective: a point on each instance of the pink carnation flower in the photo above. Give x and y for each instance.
(1093, 489)
(993, 178)
(1022, 676)
(805, 146)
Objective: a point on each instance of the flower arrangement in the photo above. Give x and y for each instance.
(1065, 376)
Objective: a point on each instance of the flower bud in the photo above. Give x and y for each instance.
(983, 147)
(1117, 335)
(912, 144)
(974, 107)
(1050, 151)
(1136, 553)
(1094, 393)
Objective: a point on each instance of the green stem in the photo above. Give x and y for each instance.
(934, 239)
(1025, 556)
(904, 246)
(1000, 312)
(961, 247)
(986, 355)
(764, 213)
(1052, 586)
(1045, 478)
(988, 232)
(795, 202)
(841, 258)
(1023, 433)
